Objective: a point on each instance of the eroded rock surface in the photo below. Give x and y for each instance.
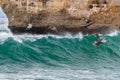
(54, 16)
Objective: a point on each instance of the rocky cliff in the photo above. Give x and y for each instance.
(54, 16)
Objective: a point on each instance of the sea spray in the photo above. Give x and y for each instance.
(5, 33)
(55, 57)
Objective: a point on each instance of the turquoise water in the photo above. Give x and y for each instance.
(38, 57)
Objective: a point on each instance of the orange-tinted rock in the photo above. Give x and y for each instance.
(61, 15)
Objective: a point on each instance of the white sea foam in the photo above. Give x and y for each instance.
(5, 33)
(113, 33)
(32, 38)
(37, 73)
(24, 37)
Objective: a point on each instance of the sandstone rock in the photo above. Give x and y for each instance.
(61, 15)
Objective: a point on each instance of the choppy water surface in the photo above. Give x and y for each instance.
(50, 57)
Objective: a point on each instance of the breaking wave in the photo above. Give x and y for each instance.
(55, 57)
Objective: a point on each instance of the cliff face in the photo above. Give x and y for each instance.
(52, 16)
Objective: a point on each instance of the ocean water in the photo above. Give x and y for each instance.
(53, 57)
